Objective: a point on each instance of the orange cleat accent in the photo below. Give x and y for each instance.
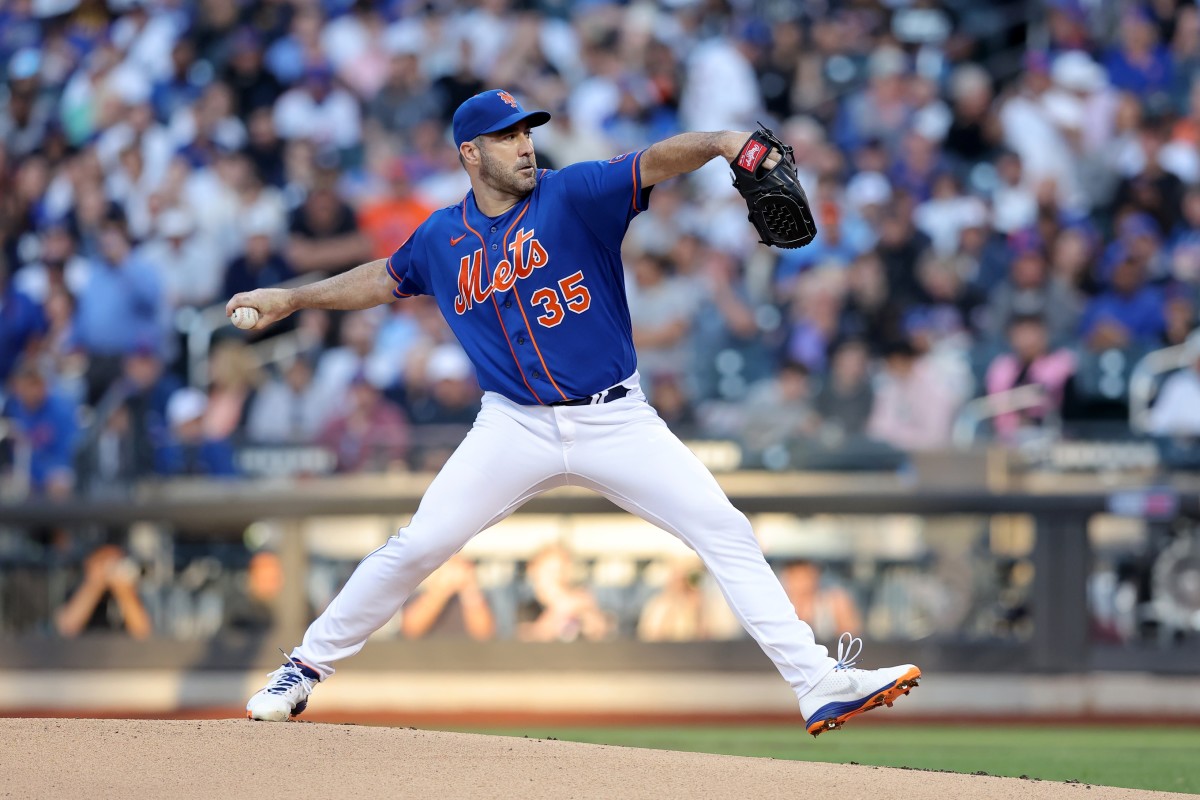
(902, 686)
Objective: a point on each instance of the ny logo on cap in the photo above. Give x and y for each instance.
(508, 98)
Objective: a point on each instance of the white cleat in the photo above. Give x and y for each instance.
(268, 708)
(285, 695)
(847, 692)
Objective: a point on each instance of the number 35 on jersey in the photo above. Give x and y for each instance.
(527, 255)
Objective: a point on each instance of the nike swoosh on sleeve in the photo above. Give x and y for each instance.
(456, 239)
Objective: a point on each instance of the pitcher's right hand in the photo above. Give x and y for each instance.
(272, 305)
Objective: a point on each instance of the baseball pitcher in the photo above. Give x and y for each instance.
(527, 272)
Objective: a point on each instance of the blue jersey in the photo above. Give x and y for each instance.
(536, 295)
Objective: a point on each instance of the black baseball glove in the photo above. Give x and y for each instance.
(779, 209)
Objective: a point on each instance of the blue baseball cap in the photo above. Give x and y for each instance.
(491, 111)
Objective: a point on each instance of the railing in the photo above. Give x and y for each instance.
(280, 348)
(1061, 554)
(199, 324)
(1142, 378)
(977, 411)
(17, 486)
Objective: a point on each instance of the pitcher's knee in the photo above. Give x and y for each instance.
(722, 530)
(421, 551)
(736, 523)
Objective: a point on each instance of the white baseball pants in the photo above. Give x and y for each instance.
(622, 450)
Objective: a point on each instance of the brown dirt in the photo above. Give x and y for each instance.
(118, 759)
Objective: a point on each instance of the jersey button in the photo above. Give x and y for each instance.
(508, 303)
(495, 247)
(535, 374)
(520, 340)
(493, 231)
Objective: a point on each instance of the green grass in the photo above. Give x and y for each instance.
(1166, 759)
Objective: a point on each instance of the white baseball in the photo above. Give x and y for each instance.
(244, 317)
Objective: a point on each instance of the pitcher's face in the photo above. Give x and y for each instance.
(507, 161)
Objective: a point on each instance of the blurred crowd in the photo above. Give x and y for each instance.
(1004, 200)
(551, 594)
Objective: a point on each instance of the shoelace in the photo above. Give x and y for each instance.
(849, 649)
(288, 676)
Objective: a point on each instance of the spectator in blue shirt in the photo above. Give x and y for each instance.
(19, 28)
(139, 399)
(1140, 64)
(22, 324)
(120, 307)
(1129, 314)
(147, 386)
(1184, 244)
(917, 165)
(180, 89)
(259, 265)
(187, 451)
(47, 424)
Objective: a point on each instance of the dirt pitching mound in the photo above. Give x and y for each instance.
(118, 759)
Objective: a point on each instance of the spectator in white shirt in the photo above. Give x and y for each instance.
(138, 128)
(146, 38)
(320, 111)
(944, 216)
(338, 366)
(914, 409)
(189, 264)
(720, 62)
(661, 307)
(59, 266)
(288, 409)
(1014, 206)
(1034, 123)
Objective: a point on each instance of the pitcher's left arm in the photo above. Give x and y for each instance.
(687, 152)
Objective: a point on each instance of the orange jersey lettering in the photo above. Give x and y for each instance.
(527, 255)
(470, 283)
